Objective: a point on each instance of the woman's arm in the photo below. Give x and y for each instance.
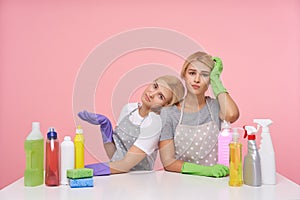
(131, 159)
(228, 108)
(110, 149)
(167, 156)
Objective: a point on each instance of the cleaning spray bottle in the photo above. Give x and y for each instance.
(52, 158)
(34, 149)
(252, 167)
(79, 148)
(266, 153)
(224, 139)
(66, 159)
(235, 160)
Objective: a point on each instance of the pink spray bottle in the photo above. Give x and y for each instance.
(224, 139)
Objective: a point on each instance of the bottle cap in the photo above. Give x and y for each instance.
(67, 138)
(79, 130)
(51, 133)
(35, 133)
(250, 132)
(35, 125)
(235, 134)
(225, 124)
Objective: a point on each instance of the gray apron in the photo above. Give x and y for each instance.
(197, 144)
(125, 134)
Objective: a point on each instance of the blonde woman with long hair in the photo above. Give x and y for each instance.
(188, 142)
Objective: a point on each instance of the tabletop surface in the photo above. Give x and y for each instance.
(156, 185)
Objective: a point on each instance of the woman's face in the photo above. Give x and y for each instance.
(196, 78)
(156, 95)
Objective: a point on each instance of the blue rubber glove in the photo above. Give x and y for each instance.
(100, 169)
(215, 74)
(97, 119)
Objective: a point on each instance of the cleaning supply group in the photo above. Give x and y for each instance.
(181, 122)
(64, 162)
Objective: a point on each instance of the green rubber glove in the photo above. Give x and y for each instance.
(215, 81)
(200, 170)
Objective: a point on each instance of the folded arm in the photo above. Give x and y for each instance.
(167, 156)
(131, 159)
(134, 156)
(170, 163)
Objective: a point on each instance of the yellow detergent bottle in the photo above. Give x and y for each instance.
(235, 160)
(79, 148)
(34, 149)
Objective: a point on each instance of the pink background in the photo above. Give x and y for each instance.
(43, 44)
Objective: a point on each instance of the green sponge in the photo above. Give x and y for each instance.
(80, 173)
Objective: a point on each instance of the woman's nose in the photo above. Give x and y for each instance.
(197, 78)
(152, 94)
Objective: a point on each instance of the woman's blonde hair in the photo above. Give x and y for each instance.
(175, 85)
(199, 56)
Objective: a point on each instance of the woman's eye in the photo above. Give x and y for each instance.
(205, 75)
(192, 73)
(161, 97)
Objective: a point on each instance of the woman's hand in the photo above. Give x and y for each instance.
(200, 170)
(215, 74)
(97, 119)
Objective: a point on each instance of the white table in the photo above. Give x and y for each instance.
(155, 185)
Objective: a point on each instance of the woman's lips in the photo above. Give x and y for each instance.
(196, 87)
(147, 98)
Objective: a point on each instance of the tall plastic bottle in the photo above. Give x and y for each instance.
(224, 139)
(66, 159)
(235, 160)
(52, 158)
(252, 167)
(79, 148)
(34, 149)
(266, 153)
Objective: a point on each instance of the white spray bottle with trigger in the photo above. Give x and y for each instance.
(266, 152)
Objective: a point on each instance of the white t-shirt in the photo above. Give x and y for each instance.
(150, 127)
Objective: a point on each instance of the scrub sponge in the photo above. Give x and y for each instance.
(82, 182)
(79, 173)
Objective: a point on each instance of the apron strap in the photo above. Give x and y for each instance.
(181, 113)
(134, 109)
(127, 116)
(209, 110)
(139, 105)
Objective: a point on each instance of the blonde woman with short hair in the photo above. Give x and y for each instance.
(134, 142)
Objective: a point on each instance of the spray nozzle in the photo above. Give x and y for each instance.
(51, 133)
(264, 123)
(250, 132)
(235, 134)
(226, 125)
